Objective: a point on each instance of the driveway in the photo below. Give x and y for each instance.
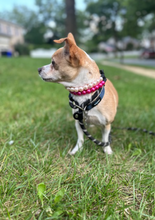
(137, 70)
(141, 62)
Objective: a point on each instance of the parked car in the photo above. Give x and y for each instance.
(148, 54)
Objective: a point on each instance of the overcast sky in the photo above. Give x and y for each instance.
(8, 5)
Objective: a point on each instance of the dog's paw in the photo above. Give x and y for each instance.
(107, 150)
(71, 152)
(75, 149)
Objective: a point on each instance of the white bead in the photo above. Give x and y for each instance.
(85, 87)
(90, 85)
(94, 83)
(72, 89)
(101, 79)
(68, 88)
(80, 89)
(76, 89)
(98, 81)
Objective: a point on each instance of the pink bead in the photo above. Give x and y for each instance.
(93, 89)
(100, 85)
(83, 92)
(88, 91)
(96, 87)
(103, 83)
(79, 93)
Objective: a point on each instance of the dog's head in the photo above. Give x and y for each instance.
(68, 63)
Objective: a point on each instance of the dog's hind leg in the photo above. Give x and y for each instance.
(105, 138)
(80, 139)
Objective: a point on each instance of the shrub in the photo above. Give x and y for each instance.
(22, 49)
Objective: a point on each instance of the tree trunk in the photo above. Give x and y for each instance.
(115, 37)
(70, 17)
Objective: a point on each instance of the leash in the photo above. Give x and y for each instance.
(86, 106)
(91, 103)
(136, 129)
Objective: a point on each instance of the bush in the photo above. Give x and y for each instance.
(22, 49)
(129, 46)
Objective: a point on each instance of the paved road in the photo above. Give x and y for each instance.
(141, 62)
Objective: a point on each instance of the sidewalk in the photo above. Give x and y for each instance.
(136, 70)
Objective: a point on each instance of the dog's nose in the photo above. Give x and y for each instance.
(39, 70)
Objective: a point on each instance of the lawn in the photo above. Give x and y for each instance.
(40, 180)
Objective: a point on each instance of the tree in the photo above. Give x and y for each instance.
(28, 19)
(52, 11)
(70, 17)
(37, 22)
(119, 18)
(50, 16)
(136, 19)
(35, 35)
(103, 17)
(21, 15)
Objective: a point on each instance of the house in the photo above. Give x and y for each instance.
(10, 35)
(148, 40)
(126, 43)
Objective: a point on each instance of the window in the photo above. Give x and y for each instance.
(8, 30)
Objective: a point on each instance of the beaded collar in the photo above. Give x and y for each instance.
(89, 88)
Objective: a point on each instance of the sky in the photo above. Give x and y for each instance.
(8, 5)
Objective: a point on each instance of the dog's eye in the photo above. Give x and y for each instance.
(53, 62)
(54, 65)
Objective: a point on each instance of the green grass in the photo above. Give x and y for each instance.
(39, 180)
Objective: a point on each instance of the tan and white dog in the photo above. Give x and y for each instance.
(73, 68)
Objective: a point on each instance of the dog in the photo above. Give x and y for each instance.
(77, 72)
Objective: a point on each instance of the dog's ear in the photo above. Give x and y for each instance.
(71, 50)
(71, 37)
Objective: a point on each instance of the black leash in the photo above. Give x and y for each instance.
(91, 103)
(86, 106)
(136, 129)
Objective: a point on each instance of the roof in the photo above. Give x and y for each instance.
(9, 29)
(11, 23)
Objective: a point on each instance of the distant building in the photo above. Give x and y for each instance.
(149, 40)
(127, 43)
(104, 46)
(10, 35)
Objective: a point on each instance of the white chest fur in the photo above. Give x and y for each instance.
(94, 117)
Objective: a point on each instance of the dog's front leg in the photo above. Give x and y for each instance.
(80, 139)
(105, 138)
